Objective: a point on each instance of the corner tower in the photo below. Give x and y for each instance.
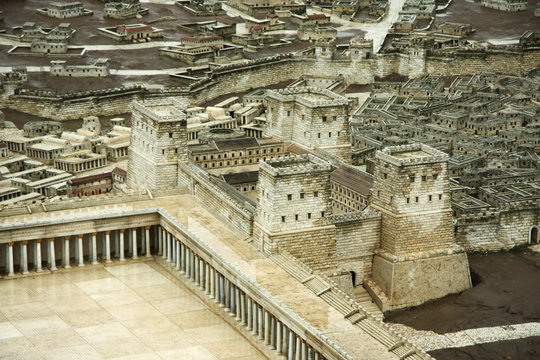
(418, 259)
(158, 142)
(294, 211)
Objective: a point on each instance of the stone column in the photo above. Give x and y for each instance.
(298, 349)
(169, 247)
(94, 248)
(107, 247)
(217, 285)
(177, 251)
(249, 313)
(254, 308)
(134, 243)
(183, 268)
(272, 332)
(188, 263)
(278, 337)
(290, 345)
(207, 277)
(160, 239)
(212, 284)
(121, 244)
(201, 273)
(11, 271)
(284, 339)
(24, 257)
(164, 236)
(317, 355)
(260, 323)
(66, 253)
(227, 295)
(38, 256)
(147, 238)
(80, 250)
(116, 237)
(52, 256)
(195, 273)
(266, 328)
(242, 308)
(304, 350)
(222, 293)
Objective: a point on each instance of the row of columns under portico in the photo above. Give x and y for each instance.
(261, 322)
(74, 250)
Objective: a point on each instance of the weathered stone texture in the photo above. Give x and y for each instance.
(495, 232)
(410, 283)
(158, 142)
(356, 241)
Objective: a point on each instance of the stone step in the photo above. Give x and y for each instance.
(364, 299)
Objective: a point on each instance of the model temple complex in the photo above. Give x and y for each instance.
(274, 178)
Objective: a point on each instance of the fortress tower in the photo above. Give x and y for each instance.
(294, 211)
(309, 116)
(158, 142)
(418, 259)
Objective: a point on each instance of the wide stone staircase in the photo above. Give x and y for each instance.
(363, 298)
(352, 310)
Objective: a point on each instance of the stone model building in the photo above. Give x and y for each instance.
(158, 142)
(132, 32)
(418, 257)
(63, 10)
(506, 5)
(311, 117)
(295, 208)
(99, 69)
(123, 9)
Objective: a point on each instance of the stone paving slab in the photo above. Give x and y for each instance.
(101, 312)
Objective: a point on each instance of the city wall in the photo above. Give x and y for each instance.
(473, 62)
(223, 200)
(357, 236)
(268, 71)
(497, 230)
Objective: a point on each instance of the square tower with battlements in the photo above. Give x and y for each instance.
(158, 142)
(309, 116)
(294, 211)
(418, 259)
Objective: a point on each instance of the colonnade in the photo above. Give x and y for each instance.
(78, 165)
(234, 300)
(77, 249)
(268, 323)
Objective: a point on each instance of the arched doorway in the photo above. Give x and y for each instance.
(533, 236)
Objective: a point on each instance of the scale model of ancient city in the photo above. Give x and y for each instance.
(270, 179)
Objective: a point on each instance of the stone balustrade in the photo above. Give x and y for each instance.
(78, 249)
(270, 321)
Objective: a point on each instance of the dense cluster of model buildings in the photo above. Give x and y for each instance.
(40, 160)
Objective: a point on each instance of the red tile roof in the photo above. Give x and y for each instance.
(119, 171)
(352, 178)
(90, 178)
(202, 38)
(316, 16)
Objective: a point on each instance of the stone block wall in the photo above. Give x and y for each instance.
(294, 193)
(495, 232)
(413, 282)
(411, 189)
(76, 105)
(224, 201)
(357, 237)
(469, 63)
(158, 142)
(315, 247)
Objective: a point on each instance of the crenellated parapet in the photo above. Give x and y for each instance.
(294, 165)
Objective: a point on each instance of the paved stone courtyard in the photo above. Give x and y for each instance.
(123, 311)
